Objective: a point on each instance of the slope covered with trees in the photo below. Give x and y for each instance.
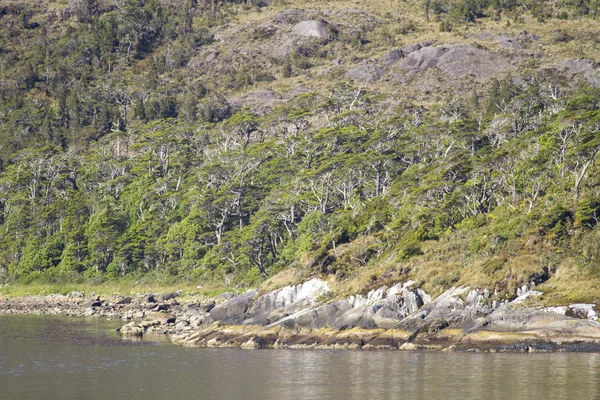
(138, 140)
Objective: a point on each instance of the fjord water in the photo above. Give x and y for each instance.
(62, 358)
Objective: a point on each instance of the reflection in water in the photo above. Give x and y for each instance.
(45, 358)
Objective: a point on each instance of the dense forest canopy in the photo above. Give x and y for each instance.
(123, 155)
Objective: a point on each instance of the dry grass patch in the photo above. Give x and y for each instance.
(571, 284)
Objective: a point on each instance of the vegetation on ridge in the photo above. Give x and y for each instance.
(127, 152)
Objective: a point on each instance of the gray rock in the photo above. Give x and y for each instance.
(132, 329)
(392, 56)
(356, 317)
(283, 302)
(199, 308)
(580, 69)
(509, 43)
(473, 298)
(311, 29)
(263, 97)
(161, 318)
(412, 300)
(582, 311)
(170, 296)
(234, 309)
(291, 16)
(124, 300)
(472, 60)
(96, 303)
(305, 293)
(365, 73)
(151, 299)
(225, 296)
(426, 57)
(320, 317)
(446, 309)
(389, 312)
(457, 61)
(411, 48)
(211, 56)
(417, 46)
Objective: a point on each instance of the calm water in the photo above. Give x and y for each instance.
(58, 358)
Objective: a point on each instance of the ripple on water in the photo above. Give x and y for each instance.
(80, 359)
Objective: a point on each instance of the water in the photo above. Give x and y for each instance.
(61, 358)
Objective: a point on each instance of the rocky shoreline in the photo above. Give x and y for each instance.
(306, 316)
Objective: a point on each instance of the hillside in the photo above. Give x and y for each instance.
(235, 145)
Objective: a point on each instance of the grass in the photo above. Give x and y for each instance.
(117, 288)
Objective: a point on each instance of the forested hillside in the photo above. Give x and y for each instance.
(219, 143)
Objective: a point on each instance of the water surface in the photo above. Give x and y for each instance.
(69, 358)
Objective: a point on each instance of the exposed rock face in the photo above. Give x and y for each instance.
(462, 60)
(311, 29)
(580, 69)
(417, 46)
(257, 98)
(456, 61)
(365, 73)
(291, 16)
(300, 316)
(583, 311)
(509, 43)
(423, 58)
(403, 318)
(391, 57)
(234, 309)
(305, 293)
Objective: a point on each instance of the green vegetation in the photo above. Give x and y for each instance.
(122, 164)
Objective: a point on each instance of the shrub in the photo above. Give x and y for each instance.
(445, 26)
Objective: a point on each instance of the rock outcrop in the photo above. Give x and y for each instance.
(313, 29)
(456, 61)
(365, 73)
(307, 315)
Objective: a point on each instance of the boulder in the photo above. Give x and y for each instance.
(161, 318)
(305, 293)
(361, 317)
(233, 310)
(311, 29)
(448, 308)
(96, 303)
(131, 329)
(199, 308)
(582, 311)
(170, 296)
(457, 61)
(151, 299)
(426, 57)
(365, 73)
(417, 46)
(460, 60)
(225, 296)
(124, 300)
(391, 57)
